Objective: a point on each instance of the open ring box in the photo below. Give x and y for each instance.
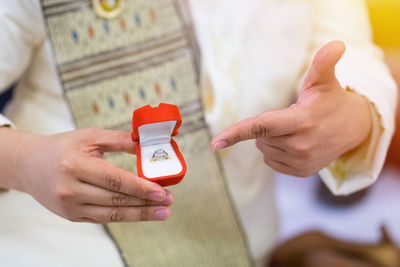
(153, 128)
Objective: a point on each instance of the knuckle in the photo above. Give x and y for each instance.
(142, 214)
(115, 215)
(306, 124)
(260, 144)
(267, 160)
(302, 148)
(260, 130)
(145, 202)
(67, 211)
(113, 182)
(67, 166)
(65, 194)
(273, 165)
(119, 199)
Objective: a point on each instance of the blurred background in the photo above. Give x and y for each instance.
(385, 19)
(306, 205)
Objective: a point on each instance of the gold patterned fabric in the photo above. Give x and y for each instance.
(147, 55)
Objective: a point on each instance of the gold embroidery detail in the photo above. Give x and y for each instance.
(108, 9)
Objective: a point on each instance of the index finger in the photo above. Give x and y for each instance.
(114, 141)
(268, 124)
(103, 174)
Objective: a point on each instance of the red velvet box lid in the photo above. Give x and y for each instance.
(149, 114)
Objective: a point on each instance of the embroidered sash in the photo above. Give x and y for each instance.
(147, 55)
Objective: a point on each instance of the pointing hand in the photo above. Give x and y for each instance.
(324, 123)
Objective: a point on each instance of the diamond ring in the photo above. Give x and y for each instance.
(160, 154)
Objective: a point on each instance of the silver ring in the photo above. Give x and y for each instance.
(159, 154)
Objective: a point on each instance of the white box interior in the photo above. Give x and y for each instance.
(155, 136)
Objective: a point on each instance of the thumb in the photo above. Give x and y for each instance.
(114, 141)
(322, 70)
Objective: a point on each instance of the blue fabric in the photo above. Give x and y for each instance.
(5, 97)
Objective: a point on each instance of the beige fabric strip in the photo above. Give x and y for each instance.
(203, 229)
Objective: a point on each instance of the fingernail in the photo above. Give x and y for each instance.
(162, 214)
(168, 199)
(157, 196)
(219, 145)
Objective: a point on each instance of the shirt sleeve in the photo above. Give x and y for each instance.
(363, 71)
(20, 25)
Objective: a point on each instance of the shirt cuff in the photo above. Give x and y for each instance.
(368, 76)
(354, 170)
(6, 122)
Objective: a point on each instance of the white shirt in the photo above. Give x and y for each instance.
(255, 52)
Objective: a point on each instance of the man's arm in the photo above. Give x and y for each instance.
(66, 174)
(325, 122)
(351, 128)
(361, 70)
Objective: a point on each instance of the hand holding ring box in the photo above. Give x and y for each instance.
(158, 157)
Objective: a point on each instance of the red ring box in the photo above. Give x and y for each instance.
(153, 128)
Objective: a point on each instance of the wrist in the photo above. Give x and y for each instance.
(360, 108)
(12, 167)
